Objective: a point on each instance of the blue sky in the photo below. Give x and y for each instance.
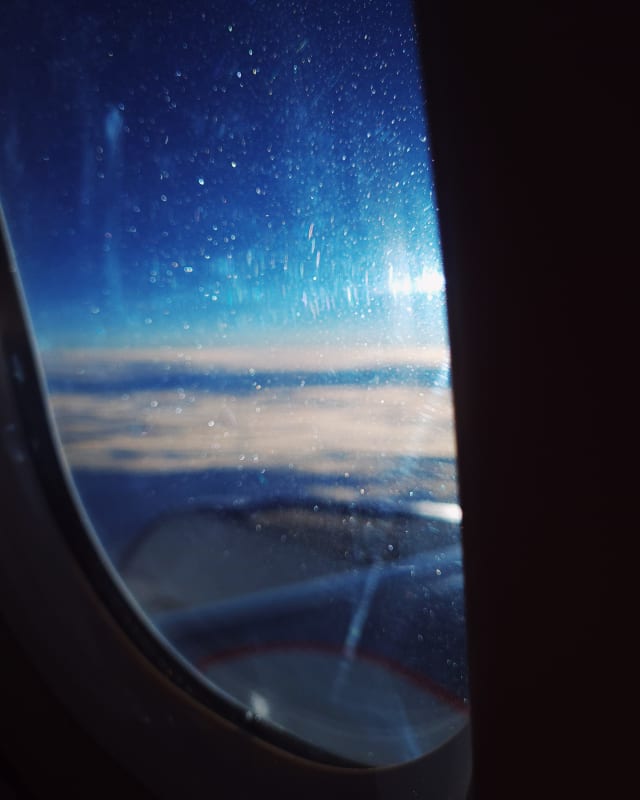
(188, 173)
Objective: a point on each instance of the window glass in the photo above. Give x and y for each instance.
(226, 232)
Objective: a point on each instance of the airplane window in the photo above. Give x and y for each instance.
(226, 234)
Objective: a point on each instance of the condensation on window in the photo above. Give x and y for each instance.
(226, 231)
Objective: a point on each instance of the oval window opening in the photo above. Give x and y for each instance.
(228, 242)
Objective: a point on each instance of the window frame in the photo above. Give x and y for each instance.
(146, 700)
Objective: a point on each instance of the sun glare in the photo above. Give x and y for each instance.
(402, 284)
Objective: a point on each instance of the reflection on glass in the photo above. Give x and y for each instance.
(226, 233)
